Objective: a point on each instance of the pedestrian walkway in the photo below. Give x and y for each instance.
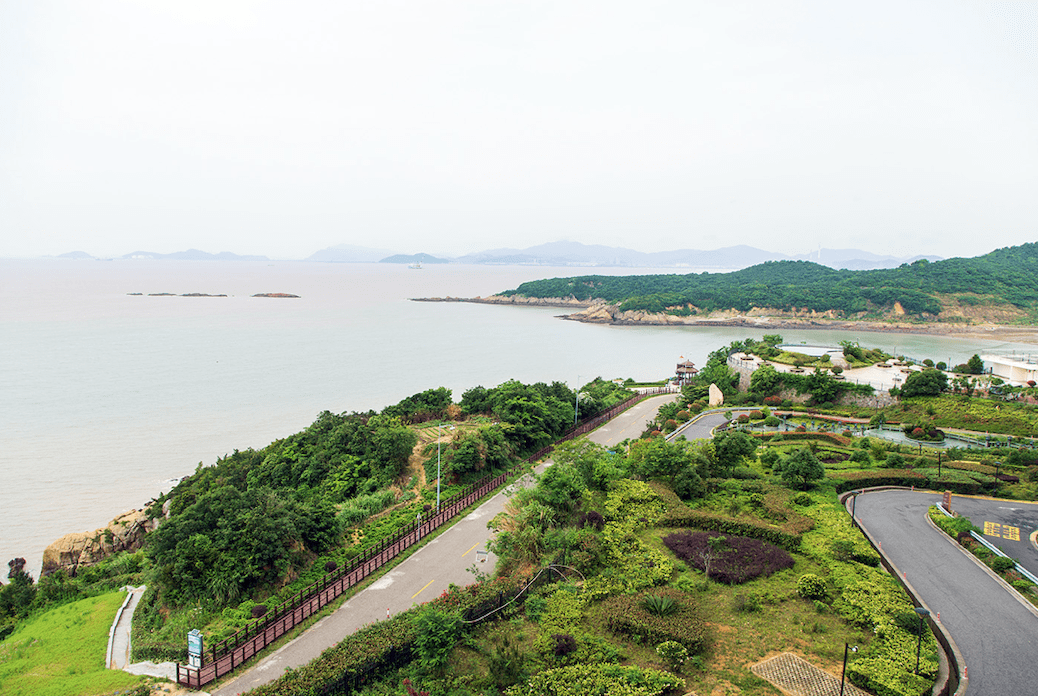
(120, 645)
(797, 676)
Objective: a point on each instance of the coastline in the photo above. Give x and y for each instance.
(599, 312)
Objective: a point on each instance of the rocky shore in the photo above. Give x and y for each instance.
(125, 533)
(600, 312)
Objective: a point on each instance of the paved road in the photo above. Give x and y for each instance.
(1006, 523)
(997, 635)
(701, 428)
(423, 576)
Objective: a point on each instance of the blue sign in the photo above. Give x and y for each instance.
(194, 648)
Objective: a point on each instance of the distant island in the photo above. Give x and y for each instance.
(999, 288)
(561, 253)
(414, 259)
(205, 294)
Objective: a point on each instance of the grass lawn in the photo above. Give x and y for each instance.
(62, 652)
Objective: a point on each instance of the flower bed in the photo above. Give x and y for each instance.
(742, 560)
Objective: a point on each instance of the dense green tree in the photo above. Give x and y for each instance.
(975, 366)
(533, 419)
(436, 634)
(731, 448)
(716, 371)
(475, 400)
(655, 458)
(765, 380)
(802, 468)
(596, 465)
(559, 488)
(17, 596)
(925, 383)
(822, 387)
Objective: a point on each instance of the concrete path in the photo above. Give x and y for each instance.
(996, 631)
(118, 656)
(120, 647)
(443, 561)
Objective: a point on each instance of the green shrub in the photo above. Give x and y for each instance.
(1001, 564)
(673, 652)
(658, 605)
(810, 586)
(803, 499)
(746, 603)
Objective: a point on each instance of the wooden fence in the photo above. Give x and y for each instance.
(227, 655)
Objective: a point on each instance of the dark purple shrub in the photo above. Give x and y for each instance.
(258, 610)
(564, 644)
(591, 519)
(743, 559)
(330, 566)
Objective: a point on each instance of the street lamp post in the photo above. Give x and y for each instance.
(576, 400)
(439, 436)
(843, 674)
(921, 611)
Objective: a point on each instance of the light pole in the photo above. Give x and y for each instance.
(576, 400)
(439, 436)
(843, 674)
(921, 611)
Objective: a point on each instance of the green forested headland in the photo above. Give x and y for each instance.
(1003, 282)
(260, 524)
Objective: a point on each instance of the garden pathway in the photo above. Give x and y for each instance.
(797, 676)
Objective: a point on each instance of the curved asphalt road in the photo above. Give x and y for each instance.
(996, 633)
(700, 428)
(424, 575)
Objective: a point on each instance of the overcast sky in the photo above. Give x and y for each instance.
(279, 128)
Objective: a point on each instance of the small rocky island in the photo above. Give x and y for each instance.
(205, 294)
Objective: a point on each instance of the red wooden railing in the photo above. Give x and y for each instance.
(229, 654)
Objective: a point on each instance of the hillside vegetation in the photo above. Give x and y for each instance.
(1001, 286)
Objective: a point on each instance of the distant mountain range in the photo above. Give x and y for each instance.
(189, 255)
(569, 254)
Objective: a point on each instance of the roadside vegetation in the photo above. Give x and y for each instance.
(959, 528)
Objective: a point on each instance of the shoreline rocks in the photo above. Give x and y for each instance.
(125, 533)
(601, 312)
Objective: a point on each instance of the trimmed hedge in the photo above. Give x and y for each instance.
(853, 480)
(787, 536)
(835, 439)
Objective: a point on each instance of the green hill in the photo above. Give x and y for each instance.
(1001, 286)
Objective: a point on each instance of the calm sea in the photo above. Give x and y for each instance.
(108, 398)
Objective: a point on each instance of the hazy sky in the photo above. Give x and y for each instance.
(282, 128)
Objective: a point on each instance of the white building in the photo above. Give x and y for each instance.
(1016, 369)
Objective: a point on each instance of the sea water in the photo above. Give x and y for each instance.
(109, 397)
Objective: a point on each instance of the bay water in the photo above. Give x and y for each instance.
(107, 398)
